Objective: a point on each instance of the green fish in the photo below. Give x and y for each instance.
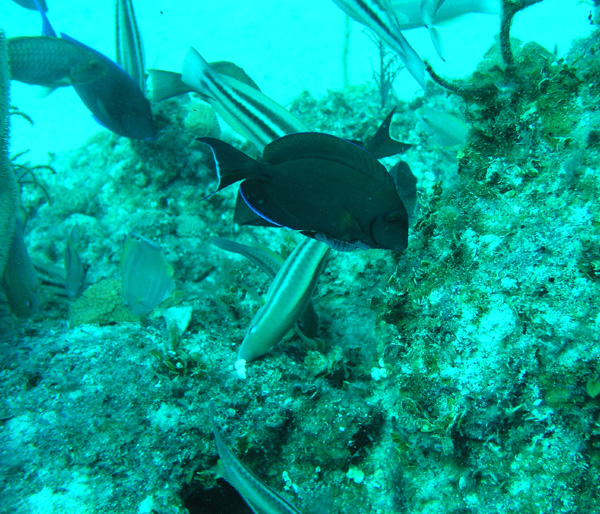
(323, 186)
(52, 62)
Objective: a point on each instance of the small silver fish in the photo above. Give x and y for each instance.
(259, 496)
(286, 299)
(412, 14)
(448, 130)
(74, 269)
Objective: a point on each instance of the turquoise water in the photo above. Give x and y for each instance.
(460, 374)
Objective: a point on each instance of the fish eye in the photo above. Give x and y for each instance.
(393, 217)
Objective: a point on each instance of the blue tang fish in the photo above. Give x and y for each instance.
(323, 186)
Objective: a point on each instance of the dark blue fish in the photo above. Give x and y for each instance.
(52, 62)
(321, 185)
(114, 99)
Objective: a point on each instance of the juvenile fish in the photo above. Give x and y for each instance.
(380, 18)
(259, 496)
(52, 62)
(448, 130)
(146, 275)
(291, 290)
(271, 263)
(251, 113)
(323, 186)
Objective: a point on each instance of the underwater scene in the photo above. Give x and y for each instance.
(319, 256)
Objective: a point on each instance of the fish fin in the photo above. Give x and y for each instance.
(337, 244)
(47, 29)
(234, 71)
(129, 45)
(166, 84)
(232, 164)
(436, 39)
(245, 215)
(382, 144)
(250, 214)
(406, 186)
(194, 72)
(315, 145)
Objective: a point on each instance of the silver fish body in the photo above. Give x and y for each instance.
(271, 263)
(379, 16)
(286, 299)
(409, 13)
(130, 49)
(247, 110)
(259, 496)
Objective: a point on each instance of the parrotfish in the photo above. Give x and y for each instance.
(259, 496)
(379, 16)
(130, 49)
(31, 4)
(413, 14)
(323, 186)
(52, 62)
(116, 101)
(146, 275)
(114, 98)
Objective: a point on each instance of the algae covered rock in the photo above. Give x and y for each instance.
(101, 303)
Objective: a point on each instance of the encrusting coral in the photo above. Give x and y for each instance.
(8, 187)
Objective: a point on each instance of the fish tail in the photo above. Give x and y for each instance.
(197, 73)
(165, 84)
(232, 165)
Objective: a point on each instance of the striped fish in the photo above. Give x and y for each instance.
(130, 50)
(259, 496)
(286, 299)
(271, 263)
(247, 110)
(380, 18)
